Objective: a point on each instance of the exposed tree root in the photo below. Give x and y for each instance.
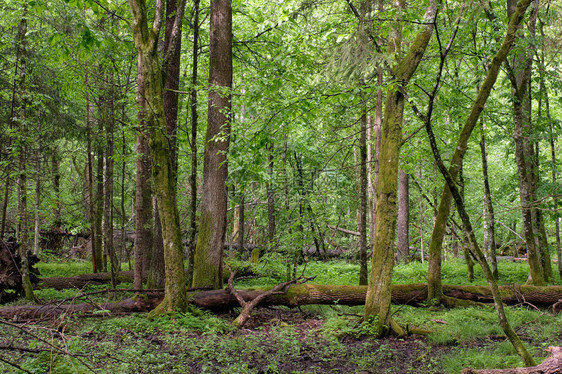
(552, 365)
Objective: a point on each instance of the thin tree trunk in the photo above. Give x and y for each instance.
(96, 256)
(108, 244)
(212, 225)
(98, 202)
(37, 222)
(403, 246)
(271, 226)
(476, 251)
(434, 272)
(363, 272)
(22, 149)
(519, 73)
(194, 120)
(489, 218)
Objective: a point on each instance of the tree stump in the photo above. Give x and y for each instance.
(10, 275)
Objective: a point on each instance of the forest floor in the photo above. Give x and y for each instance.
(312, 339)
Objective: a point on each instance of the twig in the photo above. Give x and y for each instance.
(13, 364)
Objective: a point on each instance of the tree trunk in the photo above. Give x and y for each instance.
(156, 268)
(101, 256)
(489, 218)
(434, 271)
(146, 42)
(363, 272)
(519, 73)
(108, 118)
(403, 246)
(378, 295)
(212, 225)
(22, 149)
(194, 121)
(37, 220)
(143, 193)
(171, 72)
(271, 226)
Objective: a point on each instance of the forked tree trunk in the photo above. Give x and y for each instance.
(378, 297)
(434, 271)
(146, 42)
(212, 224)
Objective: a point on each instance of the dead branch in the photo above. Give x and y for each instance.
(247, 307)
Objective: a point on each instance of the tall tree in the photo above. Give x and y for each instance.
(212, 225)
(519, 73)
(378, 297)
(146, 41)
(434, 285)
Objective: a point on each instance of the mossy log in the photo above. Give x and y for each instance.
(303, 294)
(552, 365)
(80, 281)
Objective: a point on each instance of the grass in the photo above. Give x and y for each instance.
(315, 339)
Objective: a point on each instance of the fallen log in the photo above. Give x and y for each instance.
(83, 280)
(306, 294)
(552, 365)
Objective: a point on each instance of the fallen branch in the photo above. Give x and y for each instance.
(247, 307)
(552, 365)
(345, 231)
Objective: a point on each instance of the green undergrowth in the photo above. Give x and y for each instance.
(312, 339)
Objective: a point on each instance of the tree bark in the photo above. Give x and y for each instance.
(193, 144)
(438, 233)
(212, 224)
(378, 295)
(309, 294)
(489, 218)
(143, 193)
(171, 72)
(108, 119)
(403, 246)
(146, 42)
(519, 72)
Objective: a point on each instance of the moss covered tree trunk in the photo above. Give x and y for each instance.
(143, 192)
(519, 73)
(435, 289)
(207, 269)
(377, 304)
(146, 42)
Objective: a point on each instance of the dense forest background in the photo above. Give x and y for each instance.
(180, 139)
(305, 81)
